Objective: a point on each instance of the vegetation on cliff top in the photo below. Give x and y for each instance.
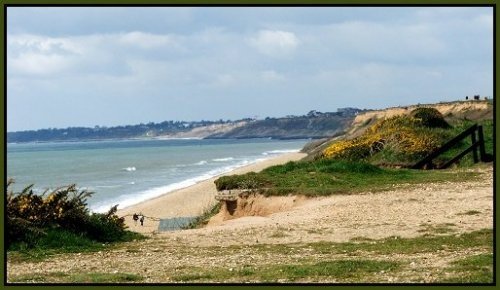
(331, 176)
(349, 166)
(401, 140)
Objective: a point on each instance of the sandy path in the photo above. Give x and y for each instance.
(190, 201)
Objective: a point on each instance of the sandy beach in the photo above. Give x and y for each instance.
(189, 201)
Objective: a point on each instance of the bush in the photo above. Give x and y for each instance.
(404, 138)
(29, 217)
(430, 118)
(105, 227)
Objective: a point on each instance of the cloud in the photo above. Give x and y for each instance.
(369, 41)
(37, 55)
(275, 42)
(485, 19)
(145, 40)
(225, 80)
(39, 64)
(247, 61)
(271, 76)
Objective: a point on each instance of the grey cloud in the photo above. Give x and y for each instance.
(212, 63)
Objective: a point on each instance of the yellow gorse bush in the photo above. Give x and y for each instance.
(29, 216)
(401, 134)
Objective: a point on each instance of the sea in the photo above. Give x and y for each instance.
(126, 172)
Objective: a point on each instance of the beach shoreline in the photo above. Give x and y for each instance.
(190, 201)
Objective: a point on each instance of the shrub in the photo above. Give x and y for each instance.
(105, 227)
(430, 117)
(30, 216)
(405, 137)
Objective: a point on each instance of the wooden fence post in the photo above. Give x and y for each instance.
(474, 149)
(482, 151)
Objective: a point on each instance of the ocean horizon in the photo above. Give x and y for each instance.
(129, 171)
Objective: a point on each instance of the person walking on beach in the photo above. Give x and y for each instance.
(142, 220)
(135, 217)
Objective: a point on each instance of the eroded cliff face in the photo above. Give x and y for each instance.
(205, 131)
(254, 204)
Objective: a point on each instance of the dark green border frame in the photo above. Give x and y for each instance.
(242, 3)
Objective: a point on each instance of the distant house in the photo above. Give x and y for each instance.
(348, 111)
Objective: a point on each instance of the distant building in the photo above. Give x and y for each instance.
(348, 111)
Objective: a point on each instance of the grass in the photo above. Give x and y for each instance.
(423, 244)
(360, 267)
(336, 269)
(387, 246)
(96, 277)
(473, 269)
(204, 217)
(57, 241)
(362, 260)
(105, 278)
(357, 261)
(327, 177)
(437, 229)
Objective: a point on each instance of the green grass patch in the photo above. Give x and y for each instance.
(58, 241)
(391, 245)
(340, 269)
(423, 244)
(204, 217)
(343, 270)
(328, 176)
(437, 229)
(59, 277)
(473, 269)
(104, 278)
(194, 277)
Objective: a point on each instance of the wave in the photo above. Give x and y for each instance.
(274, 152)
(202, 162)
(132, 168)
(223, 159)
(108, 186)
(127, 200)
(175, 138)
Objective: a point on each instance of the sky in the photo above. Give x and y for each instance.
(109, 66)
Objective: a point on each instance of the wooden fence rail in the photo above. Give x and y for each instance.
(477, 144)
